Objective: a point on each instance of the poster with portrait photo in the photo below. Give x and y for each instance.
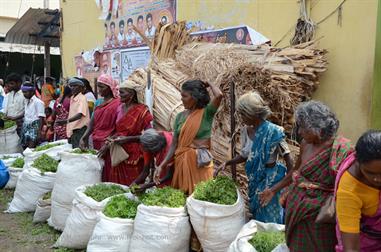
(115, 65)
(237, 35)
(145, 15)
(132, 59)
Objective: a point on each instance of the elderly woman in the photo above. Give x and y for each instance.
(262, 143)
(132, 118)
(358, 197)
(192, 132)
(156, 145)
(313, 180)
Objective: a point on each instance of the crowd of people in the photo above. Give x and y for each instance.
(329, 173)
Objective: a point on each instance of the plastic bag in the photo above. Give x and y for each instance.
(73, 171)
(81, 220)
(43, 208)
(31, 185)
(4, 175)
(9, 141)
(14, 174)
(241, 242)
(161, 229)
(216, 226)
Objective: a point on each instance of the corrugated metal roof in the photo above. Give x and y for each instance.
(29, 30)
(30, 49)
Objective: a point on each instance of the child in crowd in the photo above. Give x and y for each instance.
(47, 131)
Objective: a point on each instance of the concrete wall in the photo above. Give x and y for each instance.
(346, 86)
(6, 23)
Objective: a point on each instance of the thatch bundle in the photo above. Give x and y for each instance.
(283, 77)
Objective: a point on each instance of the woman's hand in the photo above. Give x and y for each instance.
(156, 176)
(61, 122)
(266, 196)
(103, 150)
(83, 143)
(219, 169)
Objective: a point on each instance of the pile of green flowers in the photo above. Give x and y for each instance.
(47, 146)
(165, 197)
(221, 190)
(121, 207)
(100, 192)
(7, 123)
(45, 163)
(18, 163)
(267, 241)
(79, 151)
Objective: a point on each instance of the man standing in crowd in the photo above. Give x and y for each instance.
(79, 115)
(33, 116)
(14, 102)
(48, 92)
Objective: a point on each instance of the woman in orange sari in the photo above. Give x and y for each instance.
(192, 132)
(132, 119)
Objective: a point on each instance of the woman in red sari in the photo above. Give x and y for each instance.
(102, 124)
(132, 119)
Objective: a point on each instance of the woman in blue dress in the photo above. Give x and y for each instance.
(262, 144)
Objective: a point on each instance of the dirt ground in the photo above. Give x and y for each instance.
(19, 234)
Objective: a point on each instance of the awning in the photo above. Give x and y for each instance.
(36, 27)
(29, 49)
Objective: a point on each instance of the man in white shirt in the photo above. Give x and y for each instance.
(14, 102)
(121, 36)
(150, 32)
(34, 114)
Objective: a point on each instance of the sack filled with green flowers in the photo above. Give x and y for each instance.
(162, 222)
(115, 225)
(217, 213)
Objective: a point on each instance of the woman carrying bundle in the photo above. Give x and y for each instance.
(192, 132)
(262, 143)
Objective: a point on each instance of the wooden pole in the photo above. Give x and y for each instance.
(232, 127)
(46, 59)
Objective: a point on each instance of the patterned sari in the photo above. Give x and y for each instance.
(62, 113)
(267, 137)
(132, 123)
(312, 184)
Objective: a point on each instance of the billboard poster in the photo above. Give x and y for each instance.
(115, 65)
(132, 59)
(121, 15)
(238, 35)
(91, 65)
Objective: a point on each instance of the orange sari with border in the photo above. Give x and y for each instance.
(187, 174)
